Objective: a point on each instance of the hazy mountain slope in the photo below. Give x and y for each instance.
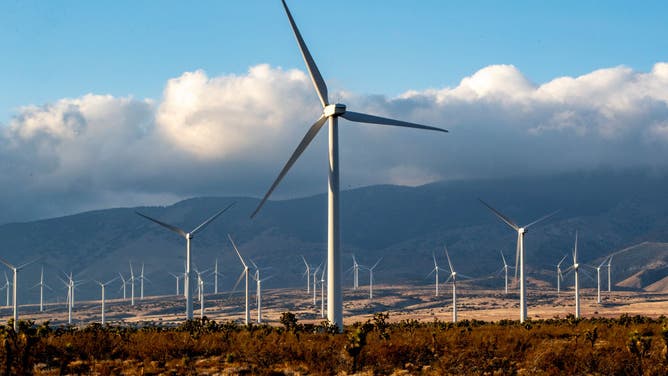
(402, 224)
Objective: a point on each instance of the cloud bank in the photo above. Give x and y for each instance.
(232, 134)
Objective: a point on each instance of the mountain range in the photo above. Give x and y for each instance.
(612, 211)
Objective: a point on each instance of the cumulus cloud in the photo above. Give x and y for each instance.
(231, 135)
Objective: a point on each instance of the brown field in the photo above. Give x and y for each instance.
(401, 302)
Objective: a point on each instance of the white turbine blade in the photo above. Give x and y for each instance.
(324, 269)
(372, 119)
(28, 263)
(575, 249)
(205, 223)
(501, 216)
(374, 265)
(267, 278)
(562, 260)
(434, 257)
(610, 260)
(517, 257)
(602, 263)
(241, 276)
(447, 255)
(430, 273)
(163, 224)
(308, 137)
(305, 263)
(254, 264)
(10, 266)
(316, 77)
(237, 250)
(504, 259)
(541, 219)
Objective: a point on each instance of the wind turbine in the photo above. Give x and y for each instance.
(200, 291)
(322, 293)
(315, 282)
(6, 286)
(70, 296)
(331, 114)
(177, 277)
(16, 270)
(371, 278)
(435, 272)
(609, 274)
(258, 290)
(453, 277)
(575, 268)
(356, 270)
(598, 280)
(123, 281)
(132, 285)
(519, 255)
(188, 236)
(505, 270)
(308, 276)
(243, 273)
(560, 275)
(215, 277)
(141, 282)
(103, 285)
(41, 285)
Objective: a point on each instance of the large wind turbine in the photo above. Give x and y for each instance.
(435, 272)
(102, 286)
(243, 273)
(16, 270)
(371, 277)
(560, 275)
(331, 114)
(188, 236)
(575, 268)
(519, 254)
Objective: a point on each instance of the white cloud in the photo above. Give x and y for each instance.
(232, 134)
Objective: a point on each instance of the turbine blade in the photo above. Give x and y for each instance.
(374, 265)
(562, 260)
(502, 217)
(308, 137)
(237, 250)
(541, 219)
(205, 223)
(504, 259)
(602, 263)
(372, 119)
(10, 266)
(434, 257)
(28, 263)
(575, 249)
(165, 225)
(238, 281)
(254, 264)
(517, 255)
(610, 260)
(447, 255)
(316, 77)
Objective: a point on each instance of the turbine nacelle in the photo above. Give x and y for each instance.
(521, 230)
(576, 266)
(334, 110)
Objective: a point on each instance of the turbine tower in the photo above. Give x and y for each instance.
(16, 270)
(215, 276)
(177, 277)
(188, 236)
(371, 278)
(453, 277)
(575, 268)
(102, 286)
(123, 281)
(435, 272)
(560, 275)
(132, 285)
(331, 114)
(609, 274)
(41, 285)
(519, 254)
(243, 273)
(356, 271)
(322, 293)
(6, 286)
(505, 270)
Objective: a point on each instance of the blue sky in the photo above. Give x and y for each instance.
(62, 49)
(102, 101)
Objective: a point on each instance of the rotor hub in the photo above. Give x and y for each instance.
(334, 109)
(522, 230)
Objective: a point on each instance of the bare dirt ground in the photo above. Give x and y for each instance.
(400, 301)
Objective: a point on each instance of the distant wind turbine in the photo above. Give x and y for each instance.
(132, 285)
(258, 290)
(575, 268)
(453, 278)
(16, 270)
(505, 270)
(6, 287)
(188, 236)
(322, 292)
(331, 113)
(519, 255)
(560, 275)
(123, 281)
(177, 277)
(216, 273)
(243, 274)
(609, 273)
(435, 272)
(598, 281)
(308, 276)
(42, 285)
(141, 282)
(102, 286)
(315, 282)
(356, 270)
(371, 278)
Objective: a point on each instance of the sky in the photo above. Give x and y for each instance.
(124, 103)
